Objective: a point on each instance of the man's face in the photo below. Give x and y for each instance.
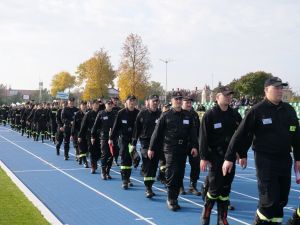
(83, 107)
(224, 99)
(71, 103)
(131, 103)
(108, 106)
(153, 104)
(96, 106)
(274, 94)
(187, 105)
(176, 102)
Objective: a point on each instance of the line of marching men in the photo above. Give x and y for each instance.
(167, 138)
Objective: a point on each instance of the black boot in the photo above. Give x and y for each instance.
(208, 206)
(295, 219)
(57, 150)
(80, 161)
(103, 173)
(149, 193)
(222, 212)
(85, 162)
(107, 173)
(193, 189)
(182, 191)
(258, 221)
(66, 153)
(124, 180)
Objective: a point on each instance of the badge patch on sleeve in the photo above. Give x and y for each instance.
(292, 128)
(267, 121)
(217, 125)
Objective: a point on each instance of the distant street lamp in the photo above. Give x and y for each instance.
(166, 61)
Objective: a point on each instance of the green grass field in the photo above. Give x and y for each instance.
(15, 208)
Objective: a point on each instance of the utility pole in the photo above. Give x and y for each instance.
(166, 61)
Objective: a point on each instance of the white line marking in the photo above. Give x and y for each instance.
(162, 190)
(53, 170)
(49, 216)
(82, 183)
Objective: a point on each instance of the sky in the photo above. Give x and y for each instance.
(205, 41)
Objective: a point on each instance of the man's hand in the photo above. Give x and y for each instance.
(150, 154)
(79, 139)
(204, 164)
(297, 165)
(110, 142)
(71, 138)
(93, 141)
(62, 129)
(243, 163)
(227, 167)
(194, 152)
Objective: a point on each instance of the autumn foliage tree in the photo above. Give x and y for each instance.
(133, 73)
(96, 74)
(62, 81)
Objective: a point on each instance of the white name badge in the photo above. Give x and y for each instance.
(105, 118)
(186, 122)
(124, 121)
(217, 125)
(267, 121)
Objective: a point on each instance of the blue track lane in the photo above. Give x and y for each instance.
(77, 197)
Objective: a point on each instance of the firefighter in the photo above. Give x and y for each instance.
(193, 161)
(67, 118)
(123, 128)
(84, 135)
(80, 154)
(59, 137)
(144, 127)
(218, 126)
(39, 119)
(272, 127)
(175, 129)
(101, 128)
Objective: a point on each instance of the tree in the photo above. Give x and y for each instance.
(61, 82)
(156, 88)
(97, 73)
(133, 70)
(251, 84)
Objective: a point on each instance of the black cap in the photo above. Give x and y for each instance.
(224, 90)
(188, 98)
(72, 99)
(131, 97)
(176, 94)
(153, 97)
(109, 102)
(115, 97)
(274, 81)
(95, 101)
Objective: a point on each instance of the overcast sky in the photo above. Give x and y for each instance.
(207, 41)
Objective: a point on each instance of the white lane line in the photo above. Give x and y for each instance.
(53, 170)
(49, 216)
(82, 183)
(162, 190)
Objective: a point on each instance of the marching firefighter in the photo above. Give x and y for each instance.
(80, 154)
(175, 129)
(272, 127)
(144, 127)
(39, 119)
(101, 128)
(123, 127)
(84, 136)
(59, 137)
(67, 117)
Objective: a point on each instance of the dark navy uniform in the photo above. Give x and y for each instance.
(80, 155)
(144, 126)
(123, 127)
(175, 129)
(59, 137)
(217, 128)
(273, 130)
(67, 117)
(102, 126)
(40, 121)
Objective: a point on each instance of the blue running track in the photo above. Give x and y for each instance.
(77, 197)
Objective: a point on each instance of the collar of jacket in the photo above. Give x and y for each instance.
(272, 105)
